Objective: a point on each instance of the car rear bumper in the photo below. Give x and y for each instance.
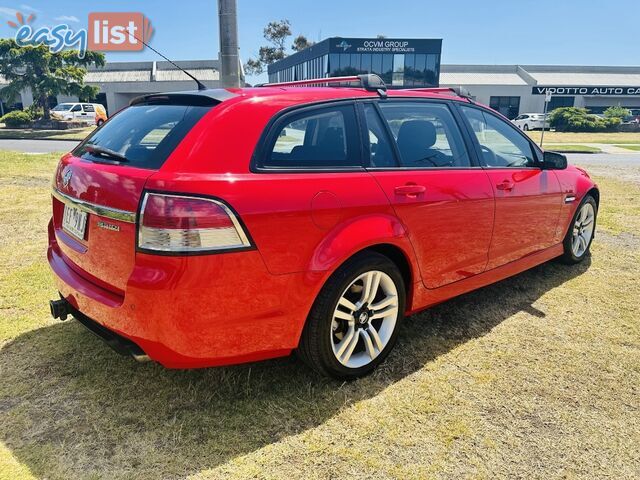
(187, 312)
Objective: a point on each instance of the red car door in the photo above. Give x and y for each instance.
(418, 156)
(528, 198)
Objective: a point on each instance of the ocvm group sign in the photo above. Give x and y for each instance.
(592, 91)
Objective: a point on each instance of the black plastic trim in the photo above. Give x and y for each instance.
(117, 342)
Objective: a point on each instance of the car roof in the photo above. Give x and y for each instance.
(297, 94)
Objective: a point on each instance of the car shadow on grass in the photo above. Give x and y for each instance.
(70, 407)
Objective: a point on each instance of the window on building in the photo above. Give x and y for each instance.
(507, 106)
(365, 63)
(387, 68)
(431, 70)
(397, 79)
(559, 102)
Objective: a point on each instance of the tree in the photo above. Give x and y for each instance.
(276, 33)
(574, 119)
(300, 43)
(45, 73)
(617, 112)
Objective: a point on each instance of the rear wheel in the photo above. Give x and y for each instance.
(100, 122)
(580, 235)
(526, 128)
(353, 324)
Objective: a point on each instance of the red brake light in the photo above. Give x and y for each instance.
(180, 223)
(163, 211)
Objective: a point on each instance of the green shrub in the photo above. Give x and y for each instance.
(17, 118)
(573, 119)
(617, 112)
(35, 111)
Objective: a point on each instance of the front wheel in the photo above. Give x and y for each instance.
(353, 324)
(526, 128)
(581, 231)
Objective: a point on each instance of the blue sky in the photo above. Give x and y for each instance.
(587, 32)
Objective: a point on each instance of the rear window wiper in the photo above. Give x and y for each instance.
(104, 151)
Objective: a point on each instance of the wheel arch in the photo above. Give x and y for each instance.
(595, 193)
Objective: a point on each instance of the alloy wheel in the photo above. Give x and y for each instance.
(583, 230)
(364, 319)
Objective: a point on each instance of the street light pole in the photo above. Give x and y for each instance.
(229, 58)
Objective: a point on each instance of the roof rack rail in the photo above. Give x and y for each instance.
(458, 91)
(369, 81)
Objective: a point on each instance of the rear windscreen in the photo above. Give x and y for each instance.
(142, 136)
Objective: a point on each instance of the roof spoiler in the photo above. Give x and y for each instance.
(204, 98)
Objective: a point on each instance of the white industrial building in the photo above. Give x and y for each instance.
(511, 89)
(514, 89)
(119, 82)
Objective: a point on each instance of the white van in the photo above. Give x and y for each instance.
(92, 113)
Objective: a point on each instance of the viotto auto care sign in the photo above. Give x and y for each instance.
(589, 91)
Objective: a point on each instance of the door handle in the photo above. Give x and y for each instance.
(410, 190)
(506, 185)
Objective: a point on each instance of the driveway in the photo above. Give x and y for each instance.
(617, 166)
(38, 146)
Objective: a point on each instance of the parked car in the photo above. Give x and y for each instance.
(530, 121)
(83, 112)
(191, 230)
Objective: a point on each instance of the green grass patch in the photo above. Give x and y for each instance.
(71, 134)
(568, 148)
(535, 376)
(635, 148)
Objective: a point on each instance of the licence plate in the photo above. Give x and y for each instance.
(74, 221)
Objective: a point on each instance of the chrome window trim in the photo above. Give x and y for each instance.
(95, 209)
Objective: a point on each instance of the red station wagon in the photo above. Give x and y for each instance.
(233, 225)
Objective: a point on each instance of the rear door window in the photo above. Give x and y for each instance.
(426, 134)
(325, 137)
(142, 136)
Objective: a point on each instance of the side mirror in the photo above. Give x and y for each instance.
(554, 161)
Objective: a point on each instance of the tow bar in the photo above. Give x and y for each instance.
(59, 309)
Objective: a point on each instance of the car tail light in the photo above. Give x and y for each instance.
(184, 224)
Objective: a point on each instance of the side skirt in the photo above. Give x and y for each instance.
(424, 297)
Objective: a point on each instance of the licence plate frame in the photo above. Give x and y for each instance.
(74, 221)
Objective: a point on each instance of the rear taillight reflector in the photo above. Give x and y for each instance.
(184, 224)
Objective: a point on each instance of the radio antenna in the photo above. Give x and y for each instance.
(201, 86)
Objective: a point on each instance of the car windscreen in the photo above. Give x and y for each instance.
(142, 135)
(62, 107)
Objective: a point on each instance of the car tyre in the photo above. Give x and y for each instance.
(581, 231)
(100, 122)
(335, 340)
(526, 128)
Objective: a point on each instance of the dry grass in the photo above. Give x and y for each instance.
(534, 377)
(578, 138)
